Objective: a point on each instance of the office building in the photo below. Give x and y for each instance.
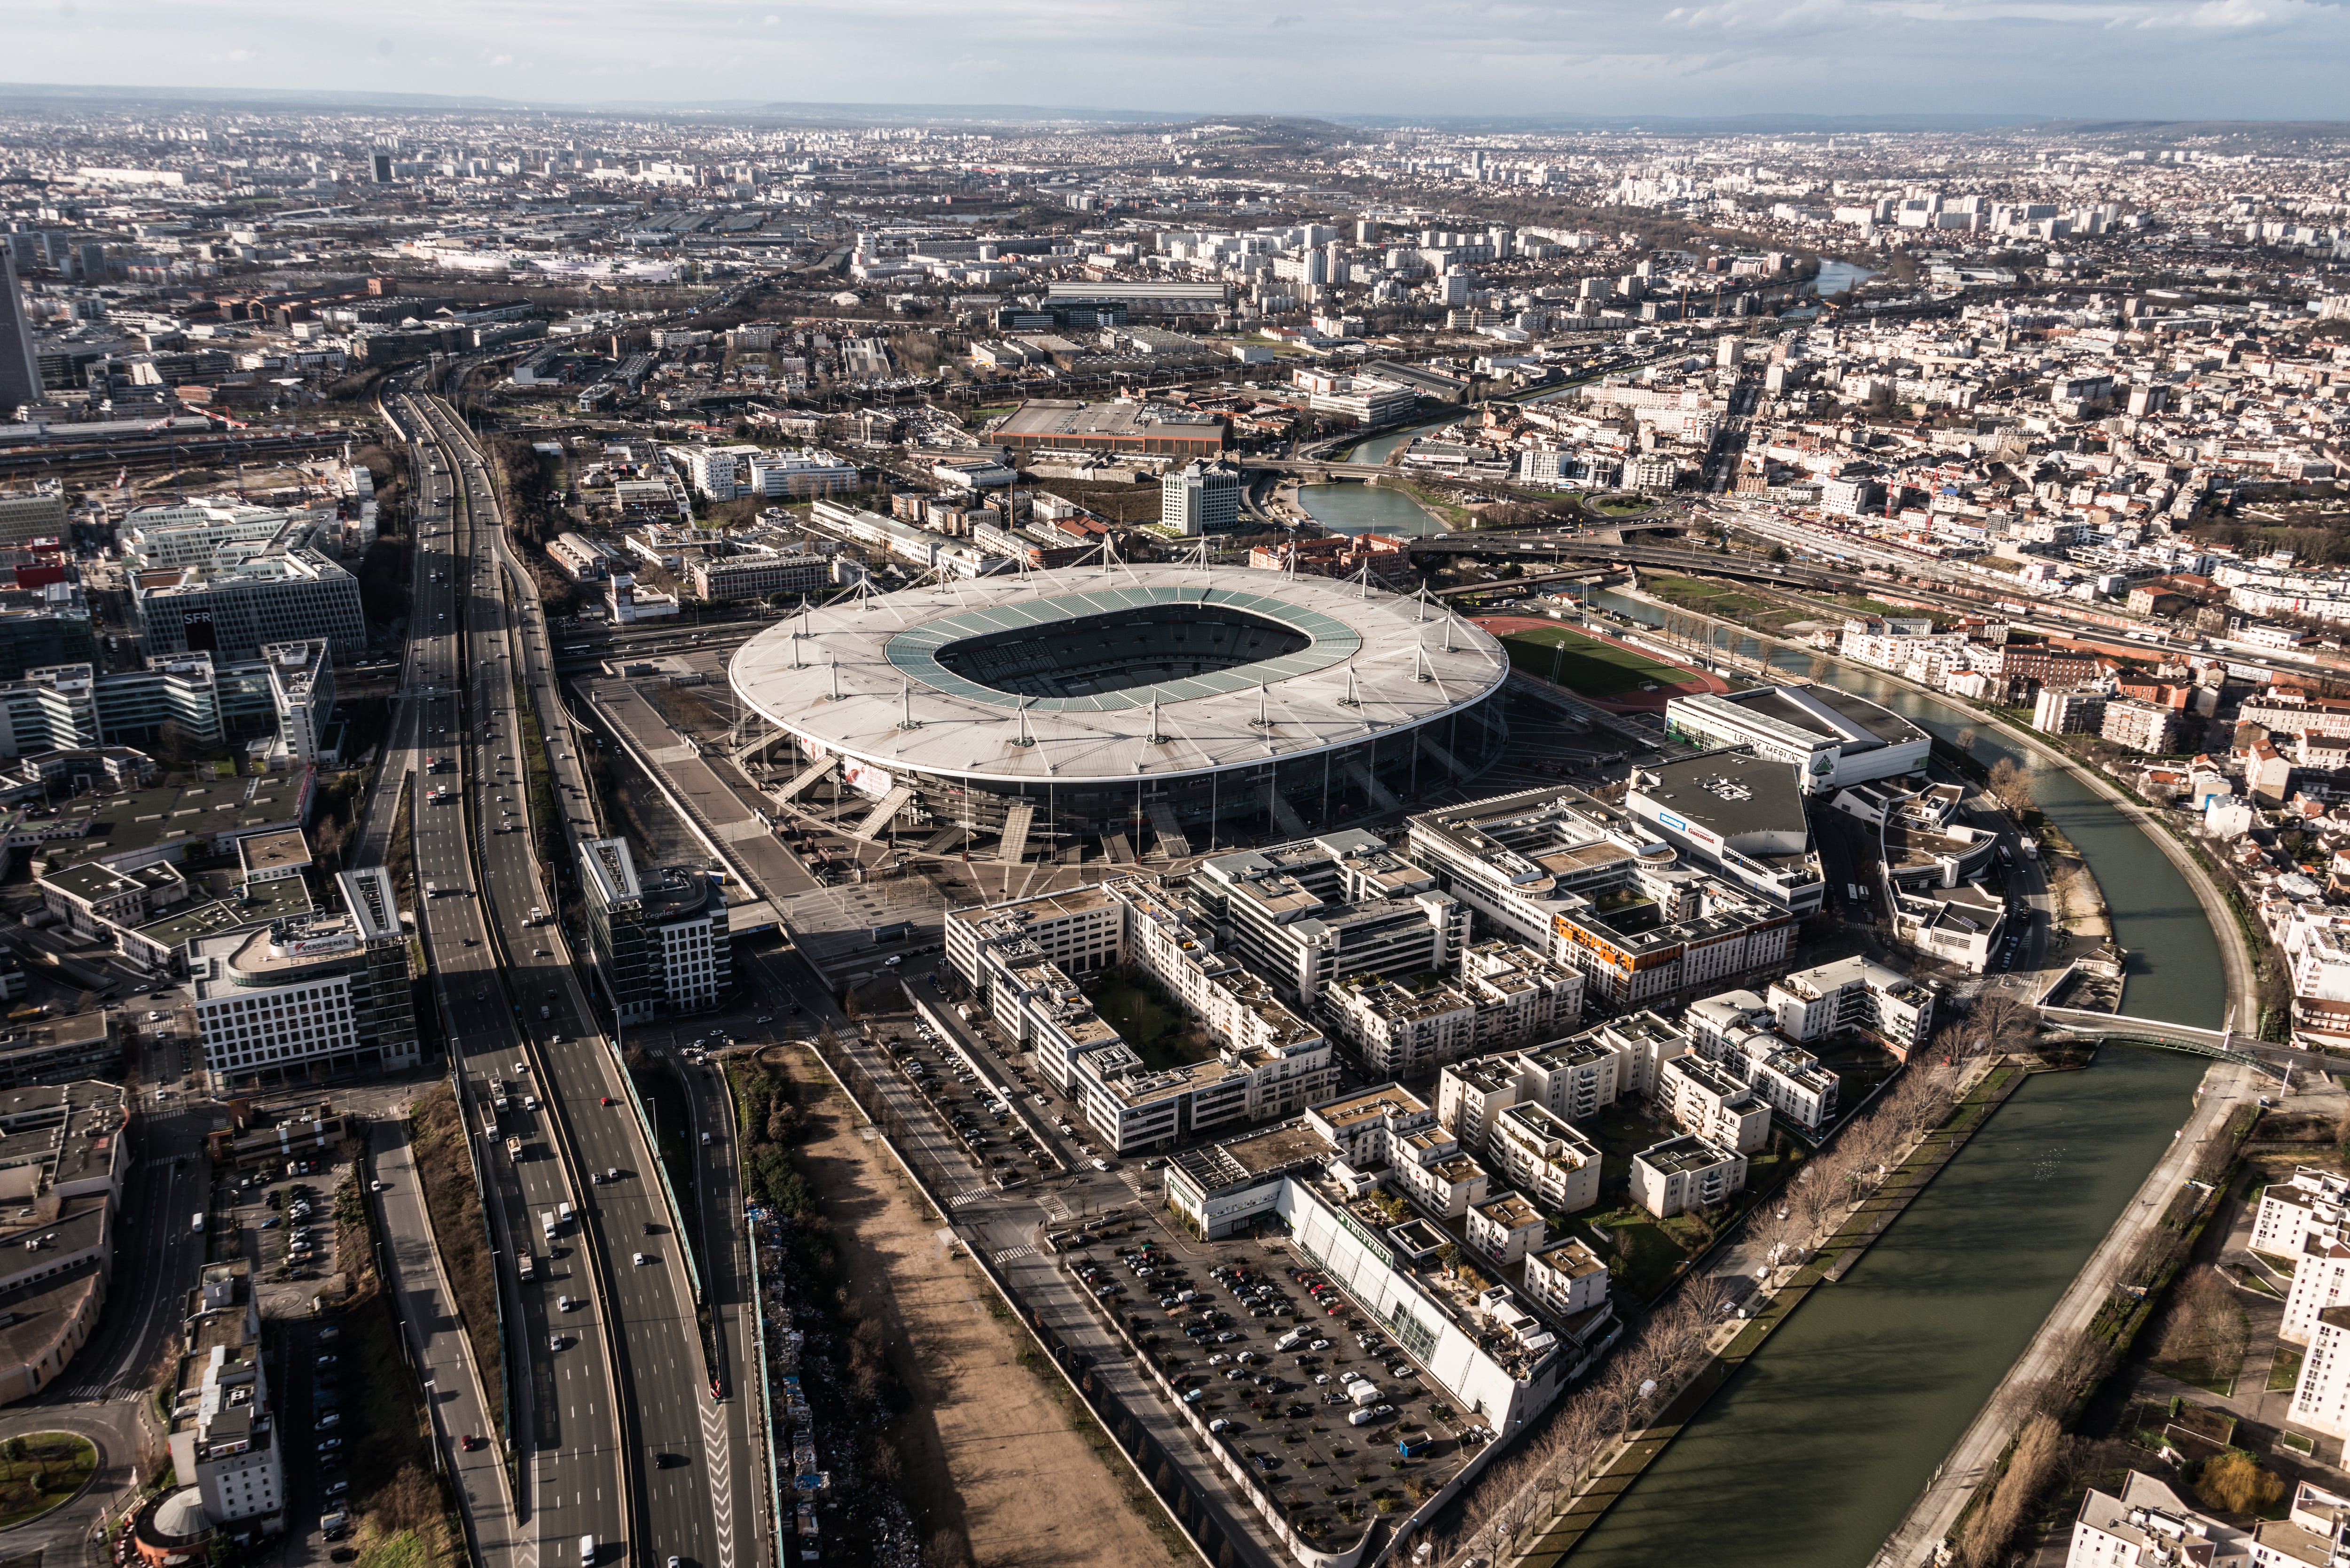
(298, 595)
(302, 699)
(29, 514)
(1200, 498)
(661, 944)
(20, 372)
(1738, 817)
(1832, 738)
(308, 997)
(1110, 430)
(758, 574)
(48, 625)
(1591, 887)
(207, 534)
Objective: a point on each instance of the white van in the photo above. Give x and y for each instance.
(587, 1551)
(1294, 1337)
(563, 1213)
(546, 1225)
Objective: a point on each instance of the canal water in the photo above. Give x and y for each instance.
(1838, 276)
(1810, 1455)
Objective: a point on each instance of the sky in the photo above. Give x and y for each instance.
(2262, 59)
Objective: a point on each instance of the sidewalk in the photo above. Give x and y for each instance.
(445, 1360)
(1935, 1514)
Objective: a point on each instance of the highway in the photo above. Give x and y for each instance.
(682, 1465)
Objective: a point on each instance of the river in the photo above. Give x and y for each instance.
(1810, 1455)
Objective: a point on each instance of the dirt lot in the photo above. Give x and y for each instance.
(987, 1439)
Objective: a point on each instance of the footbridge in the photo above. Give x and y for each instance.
(2227, 1043)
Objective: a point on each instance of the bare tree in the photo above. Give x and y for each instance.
(2012, 787)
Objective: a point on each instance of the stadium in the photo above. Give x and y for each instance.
(1048, 708)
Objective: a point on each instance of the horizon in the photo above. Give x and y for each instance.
(2256, 61)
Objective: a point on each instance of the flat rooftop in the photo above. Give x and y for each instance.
(1734, 793)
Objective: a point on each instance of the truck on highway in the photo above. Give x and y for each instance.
(514, 1149)
(546, 1224)
(196, 1226)
(526, 1265)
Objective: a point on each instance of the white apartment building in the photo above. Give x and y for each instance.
(1576, 1077)
(1503, 1230)
(226, 1438)
(1701, 1098)
(1566, 1278)
(2321, 1394)
(1505, 996)
(1020, 958)
(2150, 1526)
(2321, 1282)
(1684, 1173)
(1538, 1152)
(2308, 1202)
(1854, 993)
(2316, 1529)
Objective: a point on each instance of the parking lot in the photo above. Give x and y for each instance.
(285, 1217)
(1329, 1413)
(981, 1117)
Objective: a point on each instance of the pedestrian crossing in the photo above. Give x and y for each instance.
(1014, 1254)
(973, 1196)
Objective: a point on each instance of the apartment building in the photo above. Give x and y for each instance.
(1504, 996)
(1575, 1078)
(1539, 1152)
(1020, 958)
(2151, 1526)
(1684, 1173)
(2149, 727)
(1308, 913)
(1854, 993)
(2076, 713)
(2321, 1393)
(1701, 1097)
(227, 1437)
(1734, 1032)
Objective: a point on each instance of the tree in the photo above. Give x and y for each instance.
(2039, 1455)
(2235, 1483)
(2012, 787)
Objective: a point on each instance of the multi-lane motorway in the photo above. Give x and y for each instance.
(622, 1433)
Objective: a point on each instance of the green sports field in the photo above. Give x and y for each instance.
(1585, 664)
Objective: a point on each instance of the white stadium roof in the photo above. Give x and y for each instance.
(1341, 665)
